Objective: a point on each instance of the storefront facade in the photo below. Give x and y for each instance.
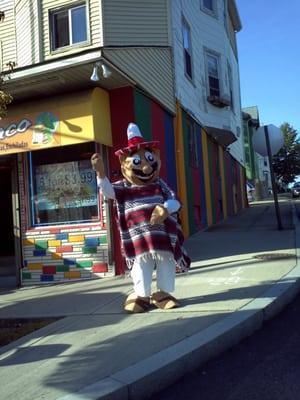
(55, 225)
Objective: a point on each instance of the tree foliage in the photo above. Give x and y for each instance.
(286, 162)
(5, 99)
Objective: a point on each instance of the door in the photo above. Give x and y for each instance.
(9, 273)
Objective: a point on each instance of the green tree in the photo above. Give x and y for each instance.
(286, 162)
(5, 99)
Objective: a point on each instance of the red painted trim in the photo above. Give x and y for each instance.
(49, 269)
(100, 267)
(158, 134)
(122, 113)
(64, 249)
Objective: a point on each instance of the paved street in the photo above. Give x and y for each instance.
(264, 366)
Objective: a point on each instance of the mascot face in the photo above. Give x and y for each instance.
(141, 166)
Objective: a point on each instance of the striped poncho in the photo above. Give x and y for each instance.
(139, 239)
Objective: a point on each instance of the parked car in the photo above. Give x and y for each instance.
(250, 191)
(295, 189)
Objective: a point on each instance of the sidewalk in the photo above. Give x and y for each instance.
(243, 272)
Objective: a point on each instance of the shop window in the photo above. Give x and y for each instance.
(68, 26)
(63, 187)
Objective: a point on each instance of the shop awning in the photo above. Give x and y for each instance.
(57, 121)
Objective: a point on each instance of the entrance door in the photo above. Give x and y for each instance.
(8, 272)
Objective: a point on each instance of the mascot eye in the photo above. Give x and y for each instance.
(149, 156)
(136, 160)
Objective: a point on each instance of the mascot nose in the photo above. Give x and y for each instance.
(147, 169)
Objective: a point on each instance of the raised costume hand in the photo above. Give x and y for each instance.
(98, 165)
(159, 214)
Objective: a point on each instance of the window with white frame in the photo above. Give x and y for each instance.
(68, 26)
(213, 74)
(209, 6)
(187, 49)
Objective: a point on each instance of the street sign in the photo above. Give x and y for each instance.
(259, 140)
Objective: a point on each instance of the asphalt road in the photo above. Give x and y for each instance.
(265, 366)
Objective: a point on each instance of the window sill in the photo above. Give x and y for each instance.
(70, 47)
(219, 101)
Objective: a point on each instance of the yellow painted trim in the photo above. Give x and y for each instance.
(223, 181)
(101, 113)
(243, 186)
(76, 238)
(206, 178)
(56, 256)
(54, 243)
(72, 274)
(28, 242)
(34, 266)
(180, 169)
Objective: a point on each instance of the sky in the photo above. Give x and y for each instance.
(269, 59)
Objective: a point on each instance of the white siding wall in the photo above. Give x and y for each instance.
(150, 68)
(135, 23)
(207, 32)
(7, 34)
(94, 26)
(27, 32)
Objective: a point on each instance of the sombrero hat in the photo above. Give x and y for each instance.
(135, 141)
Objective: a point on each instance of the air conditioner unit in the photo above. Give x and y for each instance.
(219, 101)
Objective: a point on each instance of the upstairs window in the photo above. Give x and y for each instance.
(230, 85)
(213, 74)
(68, 26)
(187, 49)
(209, 6)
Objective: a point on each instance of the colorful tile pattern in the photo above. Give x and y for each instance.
(59, 257)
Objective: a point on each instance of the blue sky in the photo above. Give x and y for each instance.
(269, 59)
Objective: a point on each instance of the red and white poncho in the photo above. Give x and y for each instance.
(139, 238)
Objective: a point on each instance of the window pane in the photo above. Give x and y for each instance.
(209, 4)
(63, 191)
(60, 29)
(186, 37)
(188, 64)
(212, 66)
(79, 29)
(214, 88)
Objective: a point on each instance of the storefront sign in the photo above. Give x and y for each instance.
(57, 121)
(28, 134)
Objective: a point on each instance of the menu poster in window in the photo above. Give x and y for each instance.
(65, 185)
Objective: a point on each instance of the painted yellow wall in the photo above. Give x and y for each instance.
(207, 179)
(223, 181)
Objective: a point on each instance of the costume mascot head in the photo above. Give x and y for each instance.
(151, 236)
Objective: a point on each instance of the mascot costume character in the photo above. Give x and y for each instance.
(151, 236)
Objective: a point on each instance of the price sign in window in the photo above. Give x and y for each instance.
(64, 192)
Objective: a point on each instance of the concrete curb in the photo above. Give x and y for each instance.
(162, 369)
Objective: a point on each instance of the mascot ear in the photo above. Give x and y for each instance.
(122, 158)
(156, 152)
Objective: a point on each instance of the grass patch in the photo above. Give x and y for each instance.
(13, 329)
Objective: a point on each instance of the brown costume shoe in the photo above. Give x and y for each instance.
(136, 304)
(164, 301)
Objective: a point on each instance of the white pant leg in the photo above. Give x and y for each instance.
(165, 274)
(141, 274)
